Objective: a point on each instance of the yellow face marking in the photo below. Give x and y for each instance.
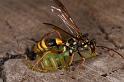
(43, 44)
(59, 41)
(37, 49)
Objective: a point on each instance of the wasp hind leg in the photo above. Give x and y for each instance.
(72, 57)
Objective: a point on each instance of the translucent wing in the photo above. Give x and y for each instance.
(64, 33)
(62, 12)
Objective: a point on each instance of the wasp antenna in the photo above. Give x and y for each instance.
(104, 47)
(47, 23)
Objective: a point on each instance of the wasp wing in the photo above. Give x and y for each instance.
(62, 12)
(65, 35)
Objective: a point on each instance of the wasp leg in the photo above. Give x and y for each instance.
(59, 35)
(82, 58)
(71, 60)
(40, 70)
(39, 60)
(47, 34)
(30, 65)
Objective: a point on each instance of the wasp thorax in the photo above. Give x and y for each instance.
(53, 42)
(71, 44)
(72, 41)
(83, 44)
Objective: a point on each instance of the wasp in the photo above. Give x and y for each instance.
(51, 54)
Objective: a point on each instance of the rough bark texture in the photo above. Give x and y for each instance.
(21, 20)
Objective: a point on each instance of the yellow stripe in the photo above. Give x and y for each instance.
(39, 46)
(36, 49)
(43, 44)
(58, 41)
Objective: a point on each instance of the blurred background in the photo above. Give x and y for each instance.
(21, 20)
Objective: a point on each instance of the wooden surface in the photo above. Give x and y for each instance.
(21, 20)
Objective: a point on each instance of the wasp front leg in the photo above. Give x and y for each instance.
(82, 58)
(71, 59)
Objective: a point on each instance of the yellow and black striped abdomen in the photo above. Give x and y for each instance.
(40, 47)
(44, 44)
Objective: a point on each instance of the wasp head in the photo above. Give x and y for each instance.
(85, 43)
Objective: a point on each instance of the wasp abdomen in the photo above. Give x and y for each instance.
(46, 44)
